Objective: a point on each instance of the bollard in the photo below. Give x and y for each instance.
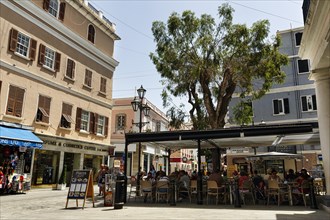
(172, 183)
(120, 191)
(312, 194)
(237, 201)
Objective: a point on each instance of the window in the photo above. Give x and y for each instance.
(158, 125)
(101, 124)
(70, 69)
(308, 103)
(91, 122)
(15, 101)
(66, 118)
(298, 37)
(91, 33)
(303, 66)
(22, 44)
(54, 8)
(120, 122)
(103, 85)
(88, 78)
(49, 58)
(43, 109)
(281, 106)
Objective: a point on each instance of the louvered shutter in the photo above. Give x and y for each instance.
(33, 48)
(62, 11)
(106, 126)
(286, 106)
(57, 61)
(78, 119)
(42, 49)
(13, 40)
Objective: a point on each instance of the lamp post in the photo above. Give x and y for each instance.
(137, 104)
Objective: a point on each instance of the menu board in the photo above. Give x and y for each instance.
(81, 186)
(78, 184)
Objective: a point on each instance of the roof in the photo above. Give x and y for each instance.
(247, 136)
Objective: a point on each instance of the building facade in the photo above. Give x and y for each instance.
(316, 47)
(56, 79)
(294, 101)
(126, 120)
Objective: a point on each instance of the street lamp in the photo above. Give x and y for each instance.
(137, 104)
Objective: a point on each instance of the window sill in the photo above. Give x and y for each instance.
(280, 114)
(102, 93)
(64, 128)
(22, 56)
(42, 123)
(100, 135)
(87, 87)
(309, 111)
(70, 79)
(48, 68)
(83, 132)
(13, 117)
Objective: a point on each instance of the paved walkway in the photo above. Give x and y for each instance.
(49, 204)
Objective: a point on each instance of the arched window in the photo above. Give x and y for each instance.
(91, 33)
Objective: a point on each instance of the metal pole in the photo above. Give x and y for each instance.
(139, 155)
(125, 170)
(200, 176)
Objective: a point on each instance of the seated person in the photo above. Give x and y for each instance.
(291, 176)
(216, 176)
(259, 184)
(274, 176)
(243, 177)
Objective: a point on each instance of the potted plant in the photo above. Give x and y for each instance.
(62, 181)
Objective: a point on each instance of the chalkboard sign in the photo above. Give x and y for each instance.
(81, 186)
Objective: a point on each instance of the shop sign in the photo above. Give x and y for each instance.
(116, 163)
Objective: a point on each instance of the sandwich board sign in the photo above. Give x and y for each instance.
(81, 187)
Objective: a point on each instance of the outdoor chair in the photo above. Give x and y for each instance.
(132, 188)
(276, 190)
(146, 190)
(215, 191)
(247, 189)
(193, 189)
(301, 190)
(162, 190)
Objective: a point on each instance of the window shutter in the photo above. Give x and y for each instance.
(286, 106)
(62, 11)
(304, 103)
(13, 40)
(78, 119)
(70, 68)
(42, 49)
(91, 123)
(96, 118)
(33, 48)
(46, 5)
(106, 125)
(314, 102)
(275, 104)
(57, 61)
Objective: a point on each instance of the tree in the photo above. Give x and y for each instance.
(207, 61)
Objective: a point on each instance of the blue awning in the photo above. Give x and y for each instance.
(19, 138)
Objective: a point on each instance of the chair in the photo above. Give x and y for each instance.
(193, 188)
(247, 189)
(132, 187)
(162, 189)
(301, 190)
(183, 189)
(214, 190)
(146, 189)
(275, 190)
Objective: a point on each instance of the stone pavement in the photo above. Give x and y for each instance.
(47, 204)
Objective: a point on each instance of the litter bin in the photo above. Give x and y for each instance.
(120, 191)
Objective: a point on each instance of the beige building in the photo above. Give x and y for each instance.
(125, 120)
(56, 80)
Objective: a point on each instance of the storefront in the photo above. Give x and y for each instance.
(17, 148)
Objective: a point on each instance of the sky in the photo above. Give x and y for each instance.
(133, 19)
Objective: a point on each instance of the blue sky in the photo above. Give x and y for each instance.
(133, 19)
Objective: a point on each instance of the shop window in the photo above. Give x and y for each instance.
(303, 66)
(70, 69)
(91, 33)
(22, 45)
(101, 123)
(15, 101)
(298, 37)
(120, 122)
(66, 118)
(88, 78)
(103, 85)
(43, 109)
(49, 59)
(308, 103)
(55, 8)
(281, 106)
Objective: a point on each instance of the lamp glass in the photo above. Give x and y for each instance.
(135, 104)
(141, 92)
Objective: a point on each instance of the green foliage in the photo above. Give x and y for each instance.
(243, 113)
(62, 179)
(207, 60)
